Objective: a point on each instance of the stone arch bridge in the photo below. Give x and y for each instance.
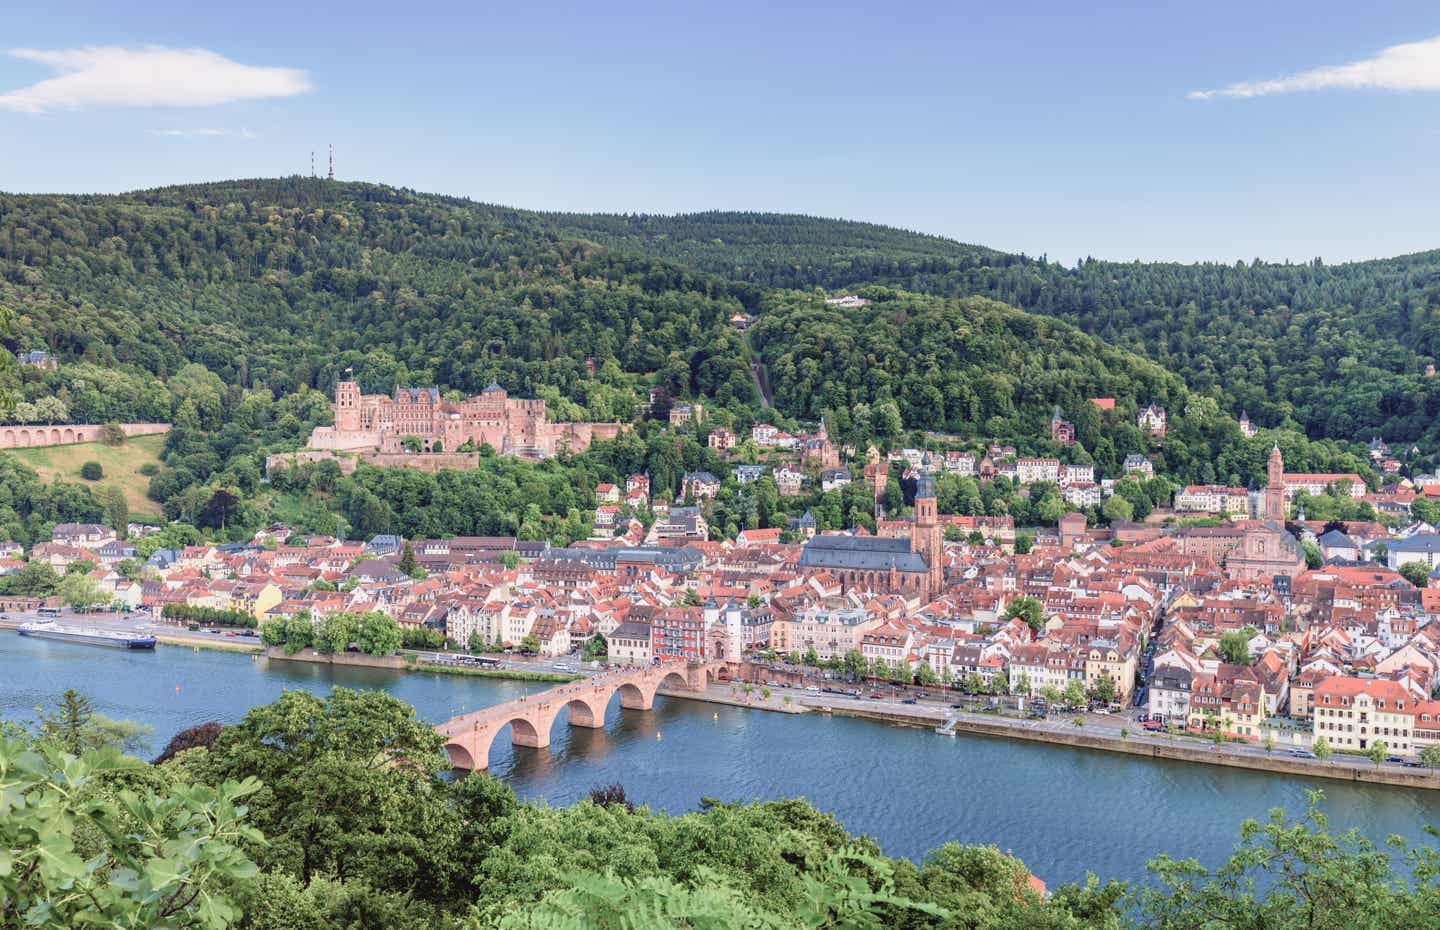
(468, 737)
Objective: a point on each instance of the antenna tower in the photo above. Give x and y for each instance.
(312, 163)
(332, 163)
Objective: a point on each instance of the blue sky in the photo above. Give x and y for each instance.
(1046, 127)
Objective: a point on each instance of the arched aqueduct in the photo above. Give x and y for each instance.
(469, 737)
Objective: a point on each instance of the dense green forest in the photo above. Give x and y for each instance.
(977, 369)
(1335, 350)
(230, 310)
(339, 813)
(285, 284)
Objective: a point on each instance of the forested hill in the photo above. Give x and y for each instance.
(224, 308)
(1338, 350)
(785, 250)
(286, 283)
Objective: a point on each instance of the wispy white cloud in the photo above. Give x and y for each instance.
(203, 132)
(1411, 66)
(150, 76)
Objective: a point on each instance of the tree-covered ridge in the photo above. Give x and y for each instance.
(974, 367)
(286, 283)
(979, 370)
(779, 249)
(1338, 350)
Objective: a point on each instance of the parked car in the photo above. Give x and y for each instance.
(1303, 754)
(1396, 759)
(909, 701)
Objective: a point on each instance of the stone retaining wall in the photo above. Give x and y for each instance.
(1406, 778)
(338, 658)
(424, 461)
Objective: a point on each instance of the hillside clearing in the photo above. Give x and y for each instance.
(121, 466)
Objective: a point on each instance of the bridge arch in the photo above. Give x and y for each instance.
(460, 757)
(523, 732)
(587, 712)
(634, 697)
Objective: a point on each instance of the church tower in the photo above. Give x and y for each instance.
(1275, 487)
(926, 537)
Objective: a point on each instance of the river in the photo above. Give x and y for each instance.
(1061, 810)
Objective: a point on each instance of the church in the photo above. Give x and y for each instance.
(913, 568)
(1267, 550)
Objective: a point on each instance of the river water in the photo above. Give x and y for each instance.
(1061, 810)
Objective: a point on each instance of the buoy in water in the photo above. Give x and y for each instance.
(177, 689)
(716, 715)
(657, 737)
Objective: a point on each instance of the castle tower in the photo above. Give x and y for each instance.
(347, 406)
(1275, 486)
(926, 537)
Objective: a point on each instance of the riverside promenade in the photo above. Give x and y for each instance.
(1104, 733)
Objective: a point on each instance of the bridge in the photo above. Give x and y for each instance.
(469, 736)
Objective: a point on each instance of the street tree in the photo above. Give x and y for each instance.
(80, 591)
(1104, 690)
(377, 633)
(1377, 751)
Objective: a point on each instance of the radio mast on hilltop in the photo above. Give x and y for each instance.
(332, 162)
(312, 163)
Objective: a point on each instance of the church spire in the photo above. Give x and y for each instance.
(1275, 486)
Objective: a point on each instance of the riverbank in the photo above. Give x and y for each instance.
(359, 659)
(407, 663)
(189, 642)
(510, 674)
(1368, 773)
(1110, 739)
(721, 694)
